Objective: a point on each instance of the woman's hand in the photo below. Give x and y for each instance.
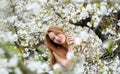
(70, 39)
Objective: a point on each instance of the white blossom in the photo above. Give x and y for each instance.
(89, 7)
(4, 71)
(78, 40)
(110, 10)
(35, 7)
(70, 55)
(84, 35)
(105, 45)
(12, 19)
(84, 14)
(44, 1)
(13, 62)
(79, 71)
(89, 24)
(1, 51)
(43, 67)
(26, 54)
(57, 66)
(33, 66)
(26, 49)
(77, 1)
(50, 72)
(24, 32)
(103, 9)
(119, 7)
(10, 37)
(3, 4)
(3, 63)
(17, 71)
(118, 24)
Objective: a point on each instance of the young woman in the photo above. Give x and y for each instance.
(58, 43)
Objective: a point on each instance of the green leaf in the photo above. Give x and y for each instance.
(81, 7)
(110, 47)
(92, 21)
(97, 5)
(57, 71)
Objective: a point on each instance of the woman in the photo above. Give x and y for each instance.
(58, 43)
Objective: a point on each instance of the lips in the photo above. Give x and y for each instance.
(60, 40)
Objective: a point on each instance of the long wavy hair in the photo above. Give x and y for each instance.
(53, 47)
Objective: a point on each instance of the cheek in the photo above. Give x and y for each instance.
(64, 38)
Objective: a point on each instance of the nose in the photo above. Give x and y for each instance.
(57, 38)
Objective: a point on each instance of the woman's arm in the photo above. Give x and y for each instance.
(64, 62)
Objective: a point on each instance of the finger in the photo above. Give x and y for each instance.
(69, 37)
(67, 34)
(71, 42)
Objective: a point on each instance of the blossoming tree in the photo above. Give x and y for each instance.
(23, 24)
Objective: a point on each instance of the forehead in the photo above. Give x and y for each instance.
(51, 34)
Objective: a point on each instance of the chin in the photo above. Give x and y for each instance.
(63, 42)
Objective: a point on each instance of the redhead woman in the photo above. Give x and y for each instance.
(58, 44)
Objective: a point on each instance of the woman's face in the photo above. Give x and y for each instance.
(57, 38)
